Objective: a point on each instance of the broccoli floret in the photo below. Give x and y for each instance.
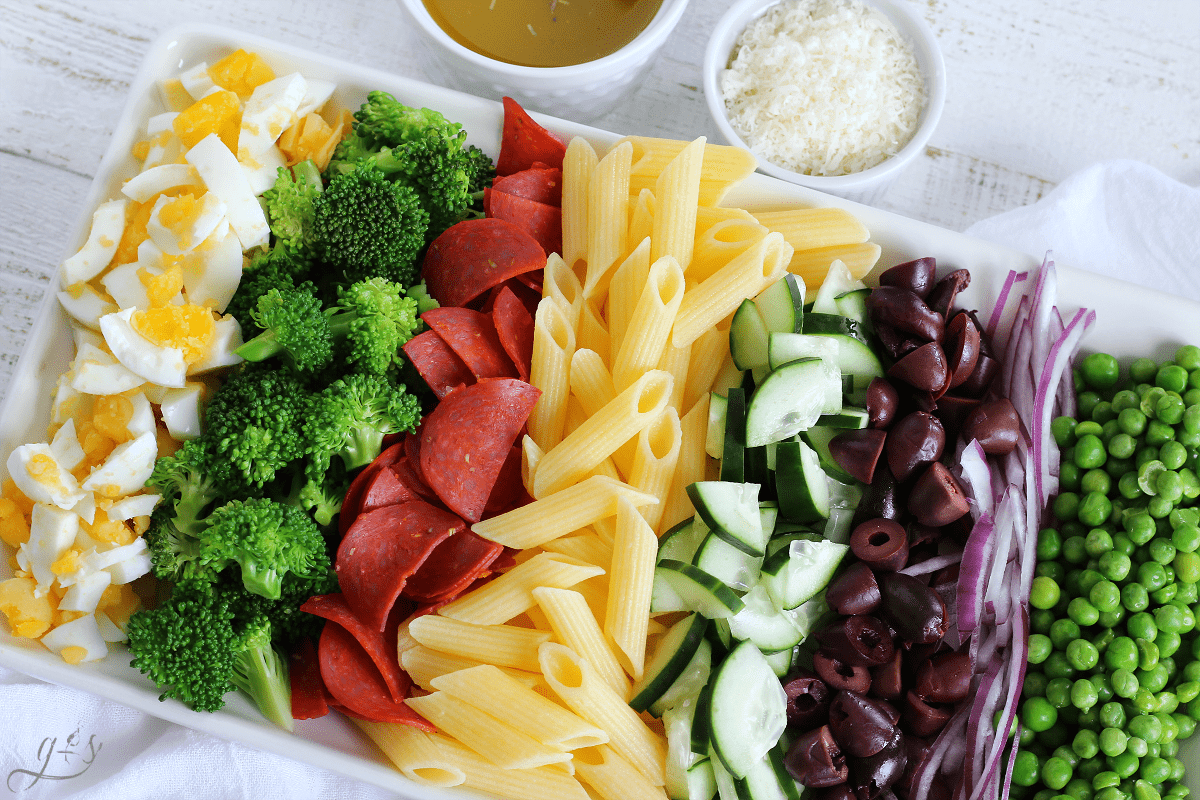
(174, 555)
(295, 326)
(375, 319)
(366, 226)
(350, 418)
(265, 540)
(261, 672)
(276, 268)
(320, 496)
(190, 480)
(187, 645)
(255, 424)
(289, 206)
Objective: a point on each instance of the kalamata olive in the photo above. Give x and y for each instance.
(881, 498)
(808, 701)
(860, 726)
(854, 591)
(887, 679)
(995, 425)
(953, 410)
(937, 498)
(917, 438)
(875, 774)
(858, 451)
(924, 368)
(917, 749)
(859, 639)
(914, 610)
(881, 403)
(945, 678)
(840, 792)
(962, 347)
(895, 342)
(815, 759)
(917, 276)
(921, 718)
(904, 311)
(941, 298)
(980, 379)
(880, 543)
(840, 676)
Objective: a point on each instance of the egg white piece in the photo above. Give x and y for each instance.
(67, 400)
(165, 146)
(56, 488)
(180, 410)
(82, 335)
(135, 505)
(51, 533)
(96, 372)
(156, 180)
(224, 178)
(226, 340)
(126, 469)
(179, 237)
(109, 630)
(65, 446)
(85, 305)
(124, 564)
(85, 591)
(156, 364)
(125, 286)
(316, 94)
(212, 272)
(142, 419)
(108, 223)
(196, 80)
(82, 632)
(270, 108)
(85, 509)
(263, 169)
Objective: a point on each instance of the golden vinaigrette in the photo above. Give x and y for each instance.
(543, 33)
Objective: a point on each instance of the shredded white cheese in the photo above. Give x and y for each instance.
(823, 87)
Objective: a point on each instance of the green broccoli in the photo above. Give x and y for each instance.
(366, 226)
(375, 318)
(321, 496)
(350, 417)
(261, 672)
(191, 481)
(290, 207)
(295, 326)
(266, 540)
(276, 268)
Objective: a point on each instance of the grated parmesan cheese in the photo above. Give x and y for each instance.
(823, 87)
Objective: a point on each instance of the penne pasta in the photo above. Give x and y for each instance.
(592, 331)
(531, 454)
(579, 164)
(630, 581)
(676, 195)
(509, 595)
(596, 439)
(675, 360)
(559, 513)
(624, 290)
(608, 216)
(549, 371)
(724, 166)
(591, 381)
(693, 430)
(561, 283)
(575, 626)
(641, 217)
(612, 777)
(721, 243)
(505, 745)
(575, 681)
(494, 693)
(502, 645)
(423, 664)
(649, 330)
(415, 753)
(714, 299)
(655, 460)
(586, 546)
(709, 351)
(813, 265)
(481, 775)
(810, 228)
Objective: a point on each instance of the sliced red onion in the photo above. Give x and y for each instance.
(932, 564)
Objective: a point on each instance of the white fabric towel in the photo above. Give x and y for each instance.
(1122, 219)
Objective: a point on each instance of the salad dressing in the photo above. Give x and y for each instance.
(543, 33)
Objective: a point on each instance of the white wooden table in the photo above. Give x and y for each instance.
(1036, 91)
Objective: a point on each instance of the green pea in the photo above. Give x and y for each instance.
(1152, 575)
(1083, 694)
(1143, 790)
(1052, 569)
(1025, 769)
(1038, 714)
(1168, 486)
(1112, 715)
(1058, 693)
(1105, 780)
(1056, 665)
(1066, 506)
(1148, 654)
(1170, 731)
(1035, 684)
(1140, 528)
(1121, 445)
(1049, 544)
(1067, 754)
(1138, 746)
(1123, 544)
(1187, 593)
(1187, 566)
(1088, 579)
(1121, 654)
(1185, 537)
(1128, 486)
(1056, 772)
(1160, 506)
(1186, 723)
(1111, 619)
(1082, 612)
(1086, 744)
(1168, 643)
(1143, 370)
(1095, 508)
(1063, 632)
(1187, 356)
(1122, 761)
(1040, 620)
(1063, 431)
(1142, 626)
(1153, 679)
(1132, 421)
(1110, 793)
(1124, 683)
(1159, 432)
(1105, 596)
(1169, 410)
(1089, 451)
(1082, 654)
(1146, 727)
(1099, 679)
(1191, 416)
(1100, 371)
(1145, 701)
(1187, 691)
(1040, 648)
(1078, 788)
(1044, 593)
(1154, 770)
(1173, 619)
(1134, 597)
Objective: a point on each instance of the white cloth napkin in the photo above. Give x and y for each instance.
(1122, 219)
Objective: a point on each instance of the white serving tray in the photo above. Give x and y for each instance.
(1132, 321)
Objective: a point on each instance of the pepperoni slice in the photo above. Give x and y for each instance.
(525, 142)
(333, 607)
(308, 690)
(514, 328)
(356, 685)
(452, 567)
(385, 489)
(472, 256)
(382, 549)
(538, 182)
(442, 370)
(467, 439)
(541, 220)
(472, 337)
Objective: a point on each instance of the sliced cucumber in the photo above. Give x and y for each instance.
(702, 784)
(671, 658)
(849, 418)
(748, 712)
(764, 782)
(855, 356)
(663, 598)
(677, 722)
(701, 720)
(788, 532)
(800, 483)
(768, 512)
(698, 590)
(731, 511)
(839, 525)
(785, 347)
(726, 784)
(681, 541)
(853, 304)
(748, 337)
(733, 451)
(781, 662)
(810, 615)
(790, 400)
(735, 568)
(782, 304)
(802, 571)
(838, 281)
(714, 440)
(689, 683)
(818, 437)
(762, 623)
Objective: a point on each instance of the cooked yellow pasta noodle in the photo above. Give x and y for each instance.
(502, 645)
(624, 290)
(649, 330)
(676, 194)
(813, 265)
(579, 164)
(500, 600)
(724, 166)
(574, 625)
(641, 218)
(592, 332)
(415, 753)
(612, 777)
(809, 228)
(693, 429)
(542, 783)
(675, 360)
(585, 546)
(721, 243)
(531, 454)
(591, 381)
(630, 580)
(708, 353)
(655, 460)
(560, 282)
(553, 344)
(423, 664)
(608, 216)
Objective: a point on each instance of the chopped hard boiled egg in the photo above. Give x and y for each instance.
(107, 225)
(126, 469)
(225, 179)
(77, 641)
(162, 146)
(196, 81)
(156, 180)
(227, 338)
(164, 366)
(135, 505)
(52, 531)
(177, 224)
(65, 446)
(29, 614)
(85, 304)
(39, 476)
(263, 169)
(95, 371)
(180, 411)
(270, 109)
(212, 271)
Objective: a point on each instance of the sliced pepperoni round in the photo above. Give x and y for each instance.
(514, 328)
(474, 255)
(472, 336)
(442, 370)
(333, 607)
(355, 683)
(452, 567)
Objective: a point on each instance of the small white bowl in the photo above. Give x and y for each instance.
(581, 92)
(865, 186)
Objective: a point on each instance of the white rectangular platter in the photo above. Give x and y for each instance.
(1131, 322)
